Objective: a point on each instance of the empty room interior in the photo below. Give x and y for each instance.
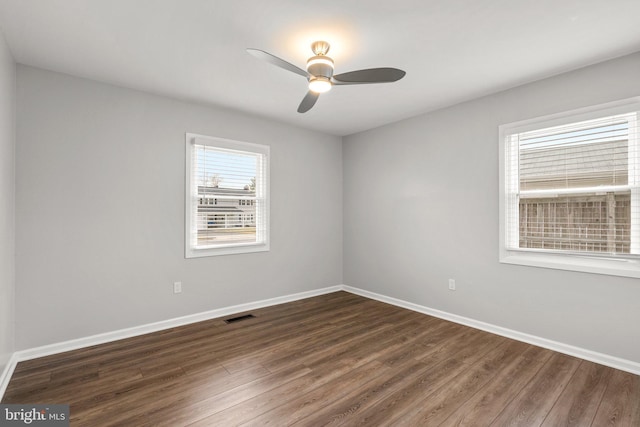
(407, 213)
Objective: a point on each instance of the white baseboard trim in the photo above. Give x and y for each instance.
(582, 353)
(78, 343)
(5, 376)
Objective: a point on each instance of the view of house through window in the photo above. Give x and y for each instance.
(574, 188)
(227, 208)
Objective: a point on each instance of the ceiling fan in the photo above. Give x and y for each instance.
(320, 76)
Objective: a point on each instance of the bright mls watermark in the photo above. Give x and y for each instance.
(34, 415)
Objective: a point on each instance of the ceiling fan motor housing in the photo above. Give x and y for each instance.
(320, 66)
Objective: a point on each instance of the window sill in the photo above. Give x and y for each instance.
(611, 267)
(226, 250)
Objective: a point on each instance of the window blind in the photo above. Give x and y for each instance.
(574, 187)
(579, 155)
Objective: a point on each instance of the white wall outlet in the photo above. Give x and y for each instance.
(177, 287)
(452, 284)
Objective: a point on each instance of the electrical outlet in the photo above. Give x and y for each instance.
(177, 287)
(452, 284)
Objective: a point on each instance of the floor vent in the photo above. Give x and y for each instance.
(239, 318)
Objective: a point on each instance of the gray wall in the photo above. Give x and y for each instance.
(421, 206)
(99, 213)
(7, 201)
(100, 210)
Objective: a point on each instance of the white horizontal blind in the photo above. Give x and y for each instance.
(574, 187)
(587, 154)
(228, 195)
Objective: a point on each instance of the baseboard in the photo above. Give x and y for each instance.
(582, 353)
(75, 344)
(5, 376)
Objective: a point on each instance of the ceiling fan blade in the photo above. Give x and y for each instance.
(308, 102)
(265, 56)
(371, 75)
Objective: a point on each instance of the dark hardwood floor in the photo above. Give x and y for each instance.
(335, 359)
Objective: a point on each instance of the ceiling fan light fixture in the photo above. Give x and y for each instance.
(319, 84)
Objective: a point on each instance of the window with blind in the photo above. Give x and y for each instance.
(570, 190)
(227, 204)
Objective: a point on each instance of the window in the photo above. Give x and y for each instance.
(570, 190)
(227, 197)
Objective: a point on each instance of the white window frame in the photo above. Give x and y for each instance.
(191, 197)
(589, 263)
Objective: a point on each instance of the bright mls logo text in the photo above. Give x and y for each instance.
(46, 415)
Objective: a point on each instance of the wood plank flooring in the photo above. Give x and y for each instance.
(336, 359)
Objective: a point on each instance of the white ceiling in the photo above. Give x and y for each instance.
(452, 50)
